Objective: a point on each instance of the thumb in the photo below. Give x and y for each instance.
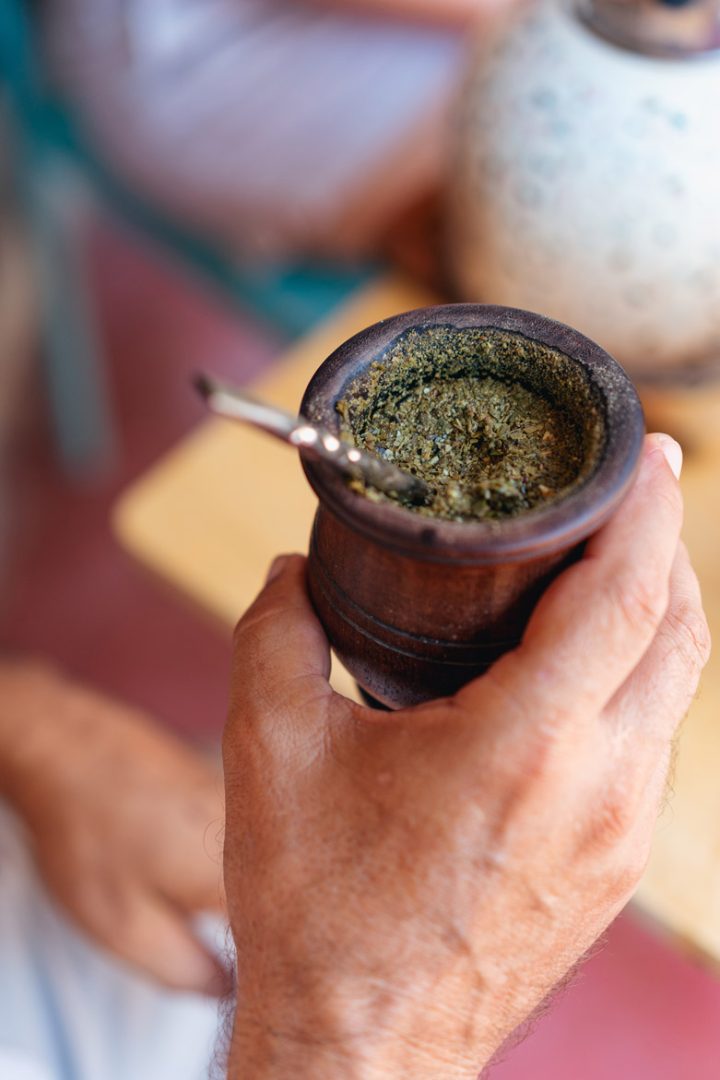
(281, 657)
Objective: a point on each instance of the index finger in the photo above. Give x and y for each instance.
(596, 621)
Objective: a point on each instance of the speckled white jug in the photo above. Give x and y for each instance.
(587, 187)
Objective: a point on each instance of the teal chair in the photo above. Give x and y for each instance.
(53, 164)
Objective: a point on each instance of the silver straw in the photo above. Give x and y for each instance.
(312, 439)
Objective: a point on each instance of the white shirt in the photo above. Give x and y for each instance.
(69, 1011)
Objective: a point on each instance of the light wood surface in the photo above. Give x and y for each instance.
(207, 519)
(681, 888)
(210, 516)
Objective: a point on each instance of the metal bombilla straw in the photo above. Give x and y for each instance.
(234, 404)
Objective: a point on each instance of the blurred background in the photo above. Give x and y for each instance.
(199, 183)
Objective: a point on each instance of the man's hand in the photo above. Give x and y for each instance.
(124, 820)
(406, 888)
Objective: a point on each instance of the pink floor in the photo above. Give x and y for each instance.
(639, 1009)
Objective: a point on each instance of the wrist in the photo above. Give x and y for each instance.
(319, 997)
(269, 1049)
(261, 1051)
(368, 1033)
(290, 1022)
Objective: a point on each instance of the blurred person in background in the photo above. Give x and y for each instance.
(276, 127)
(105, 818)
(118, 823)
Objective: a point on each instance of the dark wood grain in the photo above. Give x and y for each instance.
(416, 607)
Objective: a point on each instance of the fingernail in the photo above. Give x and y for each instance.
(672, 451)
(276, 568)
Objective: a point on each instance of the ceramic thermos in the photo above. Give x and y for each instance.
(416, 606)
(587, 176)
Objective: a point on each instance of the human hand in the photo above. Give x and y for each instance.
(406, 888)
(124, 821)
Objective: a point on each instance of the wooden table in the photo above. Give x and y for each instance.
(205, 519)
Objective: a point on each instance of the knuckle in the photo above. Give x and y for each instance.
(241, 631)
(671, 495)
(641, 600)
(626, 873)
(691, 635)
(257, 638)
(238, 633)
(616, 845)
(251, 622)
(532, 763)
(613, 818)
